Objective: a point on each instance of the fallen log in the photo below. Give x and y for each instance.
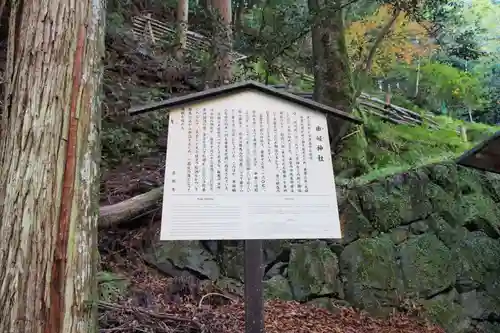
(129, 209)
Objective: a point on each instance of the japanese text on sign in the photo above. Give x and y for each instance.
(236, 169)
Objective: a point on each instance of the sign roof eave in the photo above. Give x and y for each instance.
(239, 87)
(465, 158)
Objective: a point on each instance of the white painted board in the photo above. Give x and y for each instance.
(248, 166)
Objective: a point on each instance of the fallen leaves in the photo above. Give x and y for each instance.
(280, 317)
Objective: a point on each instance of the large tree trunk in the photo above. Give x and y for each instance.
(333, 84)
(49, 167)
(182, 26)
(222, 42)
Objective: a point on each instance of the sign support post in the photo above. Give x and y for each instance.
(254, 300)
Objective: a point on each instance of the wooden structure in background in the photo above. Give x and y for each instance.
(485, 156)
(388, 112)
(146, 27)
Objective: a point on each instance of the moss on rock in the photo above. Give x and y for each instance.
(356, 224)
(396, 202)
(313, 270)
(371, 273)
(481, 213)
(233, 261)
(477, 256)
(444, 311)
(278, 287)
(446, 233)
(427, 265)
(190, 255)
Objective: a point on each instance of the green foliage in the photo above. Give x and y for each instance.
(455, 87)
(131, 140)
(378, 148)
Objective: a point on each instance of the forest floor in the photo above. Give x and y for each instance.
(135, 297)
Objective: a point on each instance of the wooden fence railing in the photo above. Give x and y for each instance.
(153, 30)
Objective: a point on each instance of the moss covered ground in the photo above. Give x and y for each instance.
(377, 149)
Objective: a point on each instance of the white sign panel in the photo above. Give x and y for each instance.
(248, 166)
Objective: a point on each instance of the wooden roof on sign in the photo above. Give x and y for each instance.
(240, 87)
(485, 156)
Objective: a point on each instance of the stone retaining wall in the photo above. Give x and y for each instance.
(426, 239)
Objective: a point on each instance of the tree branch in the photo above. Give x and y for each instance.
(305, 30)
(380, 37)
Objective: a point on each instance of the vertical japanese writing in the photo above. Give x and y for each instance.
(183, 118)
(197, 152)
(319, 144)
(226, 150)
(270, 121)
(247, 154)
(211, 142)
(255, 155)
(277, 164)
(263, 146)
(290, 161)
(241, 130)
(298, 178)
(189, 162)
(283, 164)
(204, 150)
(305, 139)
(309, 139)
(234, 150)
(246, 151)
(221, 126)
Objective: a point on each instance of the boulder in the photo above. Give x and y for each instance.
(233, 261)
(313, 270)
(477, 255)
(388, 204)
(427, 266)
(354, 224)
(183, 255)
(479, 305)
(332, 305)
(278, 287)
(446, 312)
(419, 227)
(371, 275)
(399, 235)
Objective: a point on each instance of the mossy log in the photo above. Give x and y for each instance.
(131, 208)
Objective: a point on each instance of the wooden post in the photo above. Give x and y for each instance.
(254, 304)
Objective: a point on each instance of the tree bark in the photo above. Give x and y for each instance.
(238, 16)
(49, 167)
(332, 74)
(182, 26)
(222, 42)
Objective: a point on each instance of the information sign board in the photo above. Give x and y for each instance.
(248, 165)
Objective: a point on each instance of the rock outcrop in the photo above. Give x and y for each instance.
(428, 238)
